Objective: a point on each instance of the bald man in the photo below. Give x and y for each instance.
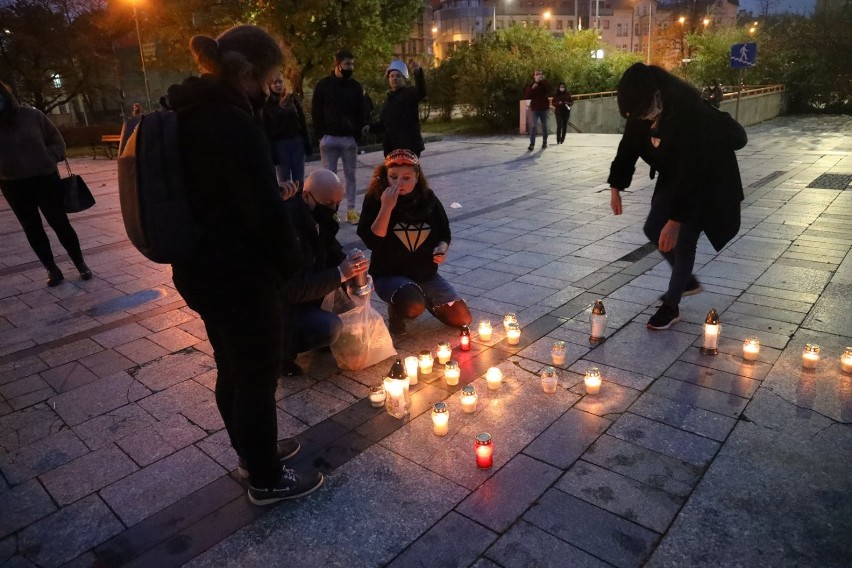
(324, 266)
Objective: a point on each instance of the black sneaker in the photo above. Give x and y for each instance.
(693, 287)
(85, 271)
(291, 485)
(531, 148)
(54, 277)
(396, 324)
(666, 315)
(543, 146)
(287, 448)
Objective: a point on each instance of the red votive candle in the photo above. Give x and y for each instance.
(464, 338)
(484, 451)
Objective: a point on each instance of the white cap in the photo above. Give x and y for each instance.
(397, 65)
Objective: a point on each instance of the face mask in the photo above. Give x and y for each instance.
(346, 73)
(323, 214)
(561, 89)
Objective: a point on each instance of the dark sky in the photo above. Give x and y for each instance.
(794, 6)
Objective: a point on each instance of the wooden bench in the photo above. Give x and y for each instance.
(108, 146)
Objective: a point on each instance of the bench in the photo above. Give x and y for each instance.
(108, 146)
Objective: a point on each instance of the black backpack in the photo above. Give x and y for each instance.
(727, 130)
(157, 215)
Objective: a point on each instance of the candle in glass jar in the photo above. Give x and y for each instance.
(810, 356)
(513, 334)
(494, 378)
(469, 399)
(597, 321)
(452, 373)
(377, 396)
(398, 400)
(444, 352)
(592, 381)
(440, 419)
(846, 360)
(425, 361)
(485, 330)
(711, 333)
(549, 380)
(751, 349)
(557, 352)
(509, 318)
(411, 369)
(484, 449)
(464, 338)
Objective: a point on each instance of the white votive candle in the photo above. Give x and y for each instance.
(513, 334)
(444, 352)
(751, 349)
(485, 330)
(440, 419)
(494, 378)
(549, 380)
(846, 360)
(810, 356)
(592, 381)
(452, 373)
(468, 399)
(557, 353)
(425, 361)
(377, 396)
(509, 318)
(411, 369)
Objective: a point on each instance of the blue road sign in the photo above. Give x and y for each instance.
(743, 55)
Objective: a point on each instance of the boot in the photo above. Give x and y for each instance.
(396, 323)
(85, 271)
(54, 276)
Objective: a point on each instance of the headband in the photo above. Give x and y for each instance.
(401, 158)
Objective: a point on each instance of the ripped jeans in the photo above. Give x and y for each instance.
(408, 298)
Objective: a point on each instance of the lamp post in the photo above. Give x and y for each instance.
(141, 54)
(494, 15)
(650, 31)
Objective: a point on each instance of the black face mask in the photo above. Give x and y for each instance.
(346, 73)
(323, 215)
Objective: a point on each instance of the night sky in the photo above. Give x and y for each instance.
(794, 6)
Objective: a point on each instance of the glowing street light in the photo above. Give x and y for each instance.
(706, 22)
(141, 53)
(681, 20)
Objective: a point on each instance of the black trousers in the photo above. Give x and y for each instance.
(562, 124)
(244, 326)
(27, 197)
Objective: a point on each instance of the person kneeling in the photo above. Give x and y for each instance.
(406, 227)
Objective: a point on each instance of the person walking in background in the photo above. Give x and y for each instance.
(698, 185)
(285, 125)
(713, 93)
(136, 110)
(562, 102)
(30, 147)
(405, 225)
(247, 248)
(400, 116)
(339, 116)
(538, 92)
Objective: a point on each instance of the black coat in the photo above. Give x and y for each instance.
(400, 117)
(285, 122)
(337, 107)
(699, 178)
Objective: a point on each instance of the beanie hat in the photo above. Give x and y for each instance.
(636, 90)
(397, 65)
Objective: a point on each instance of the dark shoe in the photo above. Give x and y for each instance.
(54, 277)
(396, 323)
(531, 148)
(543, 146)
(666, 315)
(693, 287)
(287, 448)
(291, 369)
(293, 484)
(85, 272)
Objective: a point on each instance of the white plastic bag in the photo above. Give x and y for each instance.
(365, 339)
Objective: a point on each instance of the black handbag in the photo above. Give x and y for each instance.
(77, 195)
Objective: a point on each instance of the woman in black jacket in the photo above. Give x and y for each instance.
(284, 121)
(691, 146)
(235, 276)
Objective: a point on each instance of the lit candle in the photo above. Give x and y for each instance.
(597, 320)
(593, 381)
(810, 356)
(377, 396)
(425, 361)
(468, 399)
(509, 318)
(557, 352)
(549, 380)
(440, 419)
(452, 373)
(494, 377)
(411, 369)
(444, 352)
(464, 338)
(397, 401)
(484, 451)
(846, 360)
(751, 348)
(711, 333)
(485, 330)
(513, 334)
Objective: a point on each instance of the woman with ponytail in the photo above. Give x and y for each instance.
(234, 278)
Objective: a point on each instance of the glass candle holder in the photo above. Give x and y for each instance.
(751, 349)
(810, 356)
(494, 378)
(513, 334)
(846, 360)
(508, 318)
(452, 372)
(411, 367)
(444, 352)
(484, 448)
(425, 362)
(549, 380)
(464, 338)
(377, 396)
(469, 399)
(485, 330)
(557, 353)
(440, 419)
(597, 321)
(397, 400)
(592, 380)
(712, 327)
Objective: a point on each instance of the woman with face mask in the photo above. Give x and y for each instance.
(244, 256)
(405, 225)
(284, 122)
(30, 147)
(562, 102)
(698, 185)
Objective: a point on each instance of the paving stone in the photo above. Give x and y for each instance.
(69, 532)
(69, 352)
(831, 313)
(611, 374)
(794, 279)
(727, 363)
(173, 369)
(454, 541)
(141, 350)
(106, 363)
(637, 502)
(312, 406)
(669, 441)
(540, 351)
(23, 386)
(526, 545)
(152, 488)
(612, 398)
(68, 376)
(506, 495)
(98, 397)
(113, 425)
(166, 320)
(175, 399)
(8, 546)
(22, 505)
(178, 431)
(722, 403)
(567, 438)
(20, 368)
(145, 446)
(713, 379)
(40, 456)
(519, 293)
(684, 416)
(640, 350)
(598, 532)
(87, 474)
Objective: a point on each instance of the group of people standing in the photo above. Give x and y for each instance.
(542, 98)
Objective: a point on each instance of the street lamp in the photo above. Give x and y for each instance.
(494, 15)
(141, 54)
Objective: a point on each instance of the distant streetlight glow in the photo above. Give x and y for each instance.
(681, 20)
(141, 54)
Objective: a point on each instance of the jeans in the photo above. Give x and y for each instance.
(682, 257)
(29, 195)
(345, 148)
(310, 327)
(290, 154)
(562, 118)
(539, 115)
